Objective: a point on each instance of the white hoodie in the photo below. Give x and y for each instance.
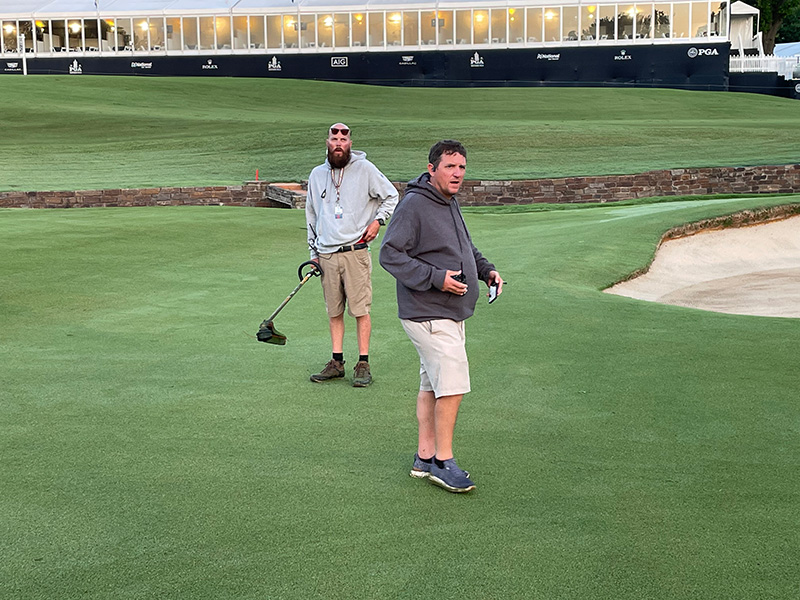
(365, 194)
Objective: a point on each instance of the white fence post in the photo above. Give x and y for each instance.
(782, 65)
(21, 48)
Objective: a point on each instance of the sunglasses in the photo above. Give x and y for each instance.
(342, 130)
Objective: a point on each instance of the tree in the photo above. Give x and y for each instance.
(773, 13)
(790, 29)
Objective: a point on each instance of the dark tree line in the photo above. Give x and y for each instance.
(773, 15)
(790, 28)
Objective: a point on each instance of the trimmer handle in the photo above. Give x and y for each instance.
(316, 270)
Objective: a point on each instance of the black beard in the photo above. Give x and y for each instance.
(339, 161)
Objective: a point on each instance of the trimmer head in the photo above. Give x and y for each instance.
(268, 334)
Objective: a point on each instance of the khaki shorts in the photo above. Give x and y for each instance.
(443, 365)
(346, 276)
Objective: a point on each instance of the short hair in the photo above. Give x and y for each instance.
(445, 147)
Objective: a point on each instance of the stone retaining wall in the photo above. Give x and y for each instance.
(611, 188)
(249, 194)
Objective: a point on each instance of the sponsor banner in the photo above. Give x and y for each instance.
(644, 65)
(476, 60)
(695, 52)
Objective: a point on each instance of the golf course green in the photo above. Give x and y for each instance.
(93, 132)
(152, 448)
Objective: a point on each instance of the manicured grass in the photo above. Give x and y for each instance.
(152, 449)
(85, 132)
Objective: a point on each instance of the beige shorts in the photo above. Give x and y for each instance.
(346, 276)
(443, 365)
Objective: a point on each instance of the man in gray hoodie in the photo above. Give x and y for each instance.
(348, 201)
(428, 250)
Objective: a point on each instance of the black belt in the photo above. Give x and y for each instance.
(359, 246)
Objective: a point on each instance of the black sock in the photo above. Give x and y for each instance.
(439, 463)
(338, 356)
(425, 460)
(363, 357)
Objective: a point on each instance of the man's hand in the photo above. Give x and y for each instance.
(494, 278)
(371, 232)
(453, 286)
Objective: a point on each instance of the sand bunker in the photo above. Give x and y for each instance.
(752, 270)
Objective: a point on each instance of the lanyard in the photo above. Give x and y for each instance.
(337, 184)
(337, 209)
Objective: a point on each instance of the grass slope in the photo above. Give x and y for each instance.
(62, 132)
(622, 449)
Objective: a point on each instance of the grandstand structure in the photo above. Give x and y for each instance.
(683, 44)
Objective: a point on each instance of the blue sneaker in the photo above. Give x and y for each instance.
(451, 477)
(420, 469)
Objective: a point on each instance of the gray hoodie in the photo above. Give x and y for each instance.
(426, 237)
(365, 194)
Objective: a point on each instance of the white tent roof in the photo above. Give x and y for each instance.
(24, 9)
(787, 49)
(740, 8)
(27, 9)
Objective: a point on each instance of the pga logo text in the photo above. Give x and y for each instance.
(695, 52)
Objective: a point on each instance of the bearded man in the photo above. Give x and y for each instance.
(348, 201)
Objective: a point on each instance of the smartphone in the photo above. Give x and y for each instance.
(492, 293)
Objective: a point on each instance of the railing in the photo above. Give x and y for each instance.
(782, 65)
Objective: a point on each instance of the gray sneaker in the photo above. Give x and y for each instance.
(361, 375)
(451, 477)
(332, 370)
(420, 469)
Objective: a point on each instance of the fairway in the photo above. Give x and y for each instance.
(153, 449)
(68, 133)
